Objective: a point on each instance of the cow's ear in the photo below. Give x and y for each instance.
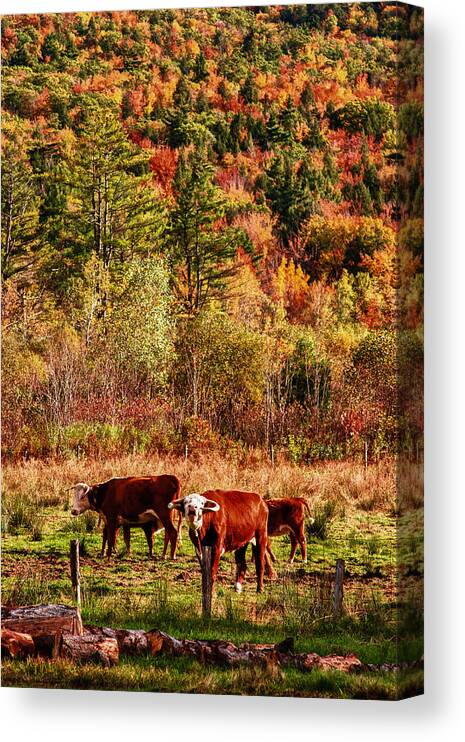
(177, 504)
(211, 505)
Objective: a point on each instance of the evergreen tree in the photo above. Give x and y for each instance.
(290, 197)
(21, 239)
(202, 253)
(200, 69)
(177, 119)
(248, 90)
(114, 212)
(235, 133)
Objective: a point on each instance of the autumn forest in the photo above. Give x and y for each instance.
(212, 232)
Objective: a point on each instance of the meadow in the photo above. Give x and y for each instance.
(357, 518)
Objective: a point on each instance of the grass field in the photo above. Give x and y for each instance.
(359, 521)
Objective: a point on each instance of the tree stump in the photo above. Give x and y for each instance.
(87, 648)
(16, 645)
(43, 623)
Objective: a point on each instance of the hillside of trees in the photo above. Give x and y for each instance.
(212, 231)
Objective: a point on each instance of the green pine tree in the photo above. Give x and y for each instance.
(113, 212)
(202, 253)
(21, 237)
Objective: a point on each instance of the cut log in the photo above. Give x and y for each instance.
(130, 641)
(17, 645)
(46, 619)
(56, 630)
(87, 648)
(43, 623)
(225, 653)
(343, 663)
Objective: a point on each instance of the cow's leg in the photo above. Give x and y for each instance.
(171, 537)
(241, 567)
(269, 569)
(104, 540)
(293, 546)
(112, 530)
(127, 538)
(270, 553)
(197, 545)
(148, 530)
(260, 556)
(216, 556)
(300, 534)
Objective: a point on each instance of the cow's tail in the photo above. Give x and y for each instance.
(307, 508)
(177, 496)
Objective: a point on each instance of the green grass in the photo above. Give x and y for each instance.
(182, 675)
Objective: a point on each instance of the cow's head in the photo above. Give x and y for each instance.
(193, 507)
(81, 501)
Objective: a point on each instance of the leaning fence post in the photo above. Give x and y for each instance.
(206, 581)
(75, 570)
(338, 588)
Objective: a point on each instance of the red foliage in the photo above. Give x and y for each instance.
(163, 165)
(136, 101)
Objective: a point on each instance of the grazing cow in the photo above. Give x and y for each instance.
(287, 515)
(227, 521)
(131, 501)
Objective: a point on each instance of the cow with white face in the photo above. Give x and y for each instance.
(193, 508)
(131, 502)
(227, 520)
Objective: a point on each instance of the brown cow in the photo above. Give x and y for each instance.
(131, 501)
(287, 515)
(227, 521)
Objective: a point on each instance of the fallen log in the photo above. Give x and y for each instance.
(225, 653)
(57, 631)
(87, 648)
(42, 623)
(130, 641)
(17, 645)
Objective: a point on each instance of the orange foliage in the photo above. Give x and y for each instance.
(163, 165)
(291, 288)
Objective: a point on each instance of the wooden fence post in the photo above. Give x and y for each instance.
(206, 581)
(186, 451)
(75, 570)
(366, 454)
(272, 455)
(338, 588)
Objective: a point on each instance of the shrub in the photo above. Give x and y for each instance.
(323, 515)
(18, 512)
(29, 587)
(37, 531)
(301, 450)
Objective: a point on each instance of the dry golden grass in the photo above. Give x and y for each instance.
(347, 483)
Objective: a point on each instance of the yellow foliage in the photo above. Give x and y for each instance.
(192, 47)
(291, 288)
